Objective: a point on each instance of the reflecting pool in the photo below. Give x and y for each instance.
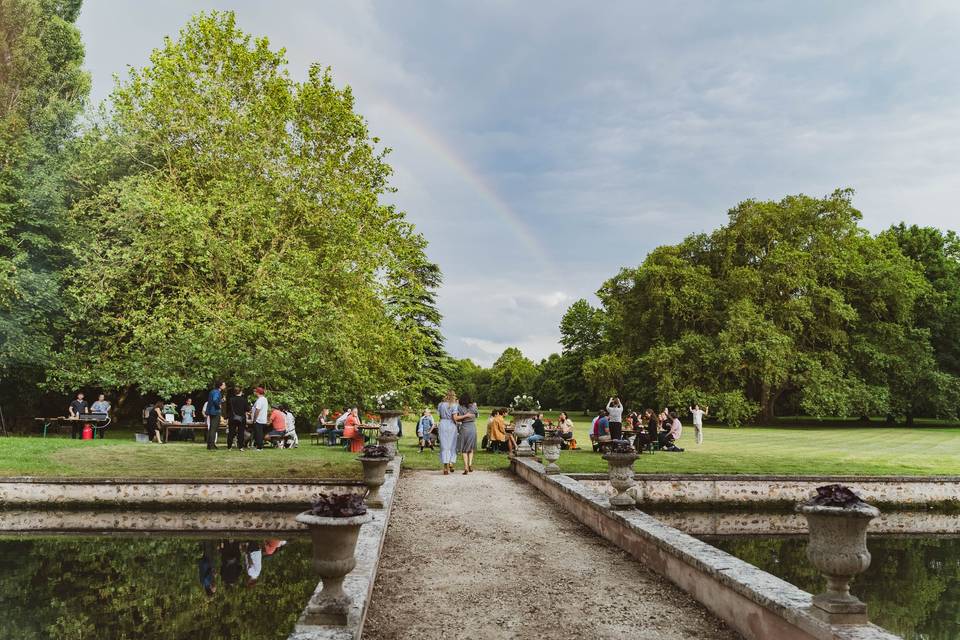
(80, 587)
(912, 586)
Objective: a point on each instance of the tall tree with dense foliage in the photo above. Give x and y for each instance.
(235, 229)
(790, 304)
(42, 89)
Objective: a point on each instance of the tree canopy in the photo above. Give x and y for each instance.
(232, 225)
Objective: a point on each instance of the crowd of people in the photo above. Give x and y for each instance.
(454, 430)
(645, 430)
(247, 423)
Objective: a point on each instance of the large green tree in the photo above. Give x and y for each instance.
(42, 89)
(234, 228)
(790, 303)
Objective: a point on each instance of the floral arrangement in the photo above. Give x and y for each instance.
(620, 446)
(524, 403)
(835, 495)
(374, 451)
(389, 401)
(338, 505)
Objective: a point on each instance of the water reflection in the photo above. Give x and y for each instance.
(912, 587)
(152, 588)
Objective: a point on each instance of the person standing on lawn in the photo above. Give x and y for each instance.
(425, 430)
(154, 418)
(102, 405)
(76, 408)
(615, 417)
(188, 412)
(260, 417)
(698, 415)
(237, 408)
(448, 431)
(214, 398)
(466, 417)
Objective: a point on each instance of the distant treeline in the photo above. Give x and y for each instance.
(791, 308)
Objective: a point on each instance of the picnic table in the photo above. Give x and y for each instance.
(96, 420)
(185, 425)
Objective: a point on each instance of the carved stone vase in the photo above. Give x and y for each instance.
(620, 472)
(334, 545)
(374, 470)
(390, 420)
(838, 549)
(551, 453)
(523, 429)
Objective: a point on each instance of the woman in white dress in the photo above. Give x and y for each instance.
(448, 431)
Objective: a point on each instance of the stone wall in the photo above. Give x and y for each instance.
(892, 491)
(251, 494)
(758, 605)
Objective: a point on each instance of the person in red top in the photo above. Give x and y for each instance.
(278, 422)
(352, 423)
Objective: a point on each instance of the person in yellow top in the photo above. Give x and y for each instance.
(497, 433)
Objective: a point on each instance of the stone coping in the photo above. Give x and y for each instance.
(757, 604)
(909, 492)
(143, 494)
(676, 477)
(359, 583)
(231, 481)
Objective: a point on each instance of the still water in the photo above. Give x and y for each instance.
(148, 587)
(912, 586)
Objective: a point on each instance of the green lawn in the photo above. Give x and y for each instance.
(776, 450)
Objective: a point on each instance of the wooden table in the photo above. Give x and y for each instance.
(98, 421)
(185, 425)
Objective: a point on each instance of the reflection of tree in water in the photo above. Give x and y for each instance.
(912, 586)
(143, 588)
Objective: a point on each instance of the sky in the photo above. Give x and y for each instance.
(541, 146)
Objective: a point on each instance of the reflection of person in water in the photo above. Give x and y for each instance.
(254, 562)
(231, 563)
(207, 570)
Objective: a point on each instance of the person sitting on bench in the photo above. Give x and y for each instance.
(278, 421)
(669, 438)
(497, 433)
(603, 431)
(292, 439)
(538, 431)
(565, 430)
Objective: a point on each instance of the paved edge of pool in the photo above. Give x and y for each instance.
(359, 583)
(755, 603)
(779, 490)
(134, 493)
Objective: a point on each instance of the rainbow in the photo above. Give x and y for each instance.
(477, 182)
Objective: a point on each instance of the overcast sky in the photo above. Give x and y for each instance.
(541, 146)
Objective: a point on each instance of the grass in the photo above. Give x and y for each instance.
(791, 450)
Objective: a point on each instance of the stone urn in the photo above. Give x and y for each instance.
(390, 420)
(523, 429)
(334, 544)
(388, 440)
(837, 547)
(551, 453)
(374, 470)
(620, 472)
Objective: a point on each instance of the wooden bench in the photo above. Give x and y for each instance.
(275, 440)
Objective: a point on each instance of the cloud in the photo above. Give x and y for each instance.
(606, 132)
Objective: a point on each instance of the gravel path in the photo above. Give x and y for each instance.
(465, 557)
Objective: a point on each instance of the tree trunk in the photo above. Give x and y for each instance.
(909, 418)
(767, 399)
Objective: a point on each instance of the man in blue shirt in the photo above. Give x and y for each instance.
(214, 398)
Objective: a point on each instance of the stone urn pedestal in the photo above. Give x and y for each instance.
(551, 453)
(838, 549)
(374, 470)
(390, 420)
(334, 545)
(523, 429)
(389, 440)
(620, 473)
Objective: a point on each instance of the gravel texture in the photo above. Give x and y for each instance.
(487, 556)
